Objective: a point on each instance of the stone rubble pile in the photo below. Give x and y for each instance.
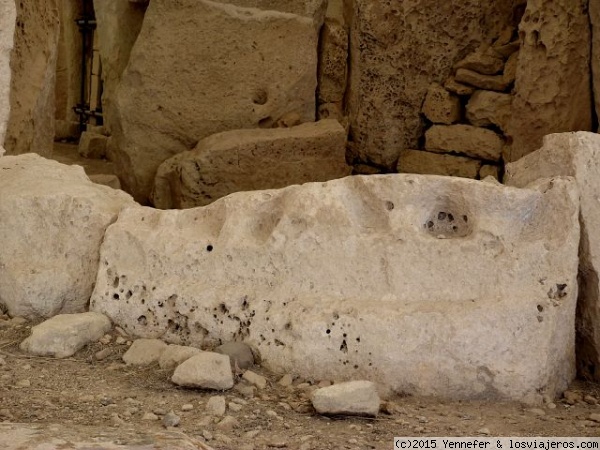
(469, 115)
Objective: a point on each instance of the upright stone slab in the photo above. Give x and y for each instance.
(397, 50)
(118, 25)
(246, 160)
(8, 15)
(33, 66)
(576, 155)
(424, 284)
(216, 67)
(553, 74)
(52, 220)
(594, 10)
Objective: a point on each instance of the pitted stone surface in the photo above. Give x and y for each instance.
(316, 277)
(247, 78)
(576, 155)
(53, 219)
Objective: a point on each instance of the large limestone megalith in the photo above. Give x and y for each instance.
(218, 66)
(426, 285)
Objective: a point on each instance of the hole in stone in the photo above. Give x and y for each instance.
(441, 215)
(267, 122)
(389, 205)
(540, 308)
(116, 282)
(540, 319)
(328, 331)
(344, 347)
(142, 320)
(116, 296)
(260, 97)
(209, 248)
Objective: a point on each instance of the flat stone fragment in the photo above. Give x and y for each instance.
(576, 155)
(428, 163)
(441, 106)
(144, 352)
(92, 145)
(487, 108)
(248, 78)
(472, 141)
(207, 371)
(337, 268)
(490, 82)
(357, 398)
(174, 355)
(482, 63)
(245, 160)
(53, 221)
(63, 335)
(460, 89)
(552, 88)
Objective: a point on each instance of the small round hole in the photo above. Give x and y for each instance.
(209, 248)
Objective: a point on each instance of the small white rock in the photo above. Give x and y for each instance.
(351, 398)
(187, 407)
(174, 355)
(206, 370)
(144, 351)
(215, 406)
(255, 379)
(227, 424)
(149, 416)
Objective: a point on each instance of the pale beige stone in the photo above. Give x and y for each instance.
(174, 355)
(109, 180)
(118, 26)
(66, 131)
(441, 106)
(63, 335)
(489, 82)
(472, 141)
(337, 268)
(428, 163)
(552, 86)
(53, 220)
(205, 370)
(33, 64)
(350, 398)
(397, 49)
(144, 352)
(487, 108)
(8, 15)
(481, 62)
(333, 62)
(245, 160)
(92, 145)
(237, 62)
(576, 155)
(510, 70)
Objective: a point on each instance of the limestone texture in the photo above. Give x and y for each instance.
(477, 80)
(472, 141)
(174, 355)
(333, 62)
(429, 163)
(576, 155)
(357, 398)
(118, 26)
(553, 74)
(397, 49)
(92, 145)
(315, 277)
(441, 106)
(63, 335)
(33, 66)
(106, 180)
(240, 354)
(182, 84)
(245, 160)
(206, 370)
(487, 108)
(144, 351)
(53, 219)
(8, 15)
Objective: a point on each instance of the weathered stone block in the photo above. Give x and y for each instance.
(333, 62)
(469, 140)
(246, 160)
(397, 49)
(350, 398)
(576, 155)
(481, 62)
(247, 78)
(316, 277)
(8, 16)
(427, 163)
(92, 145)
(441, 106)
(53, 219)
(490, 108)
(33, 64)
(553, 75)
